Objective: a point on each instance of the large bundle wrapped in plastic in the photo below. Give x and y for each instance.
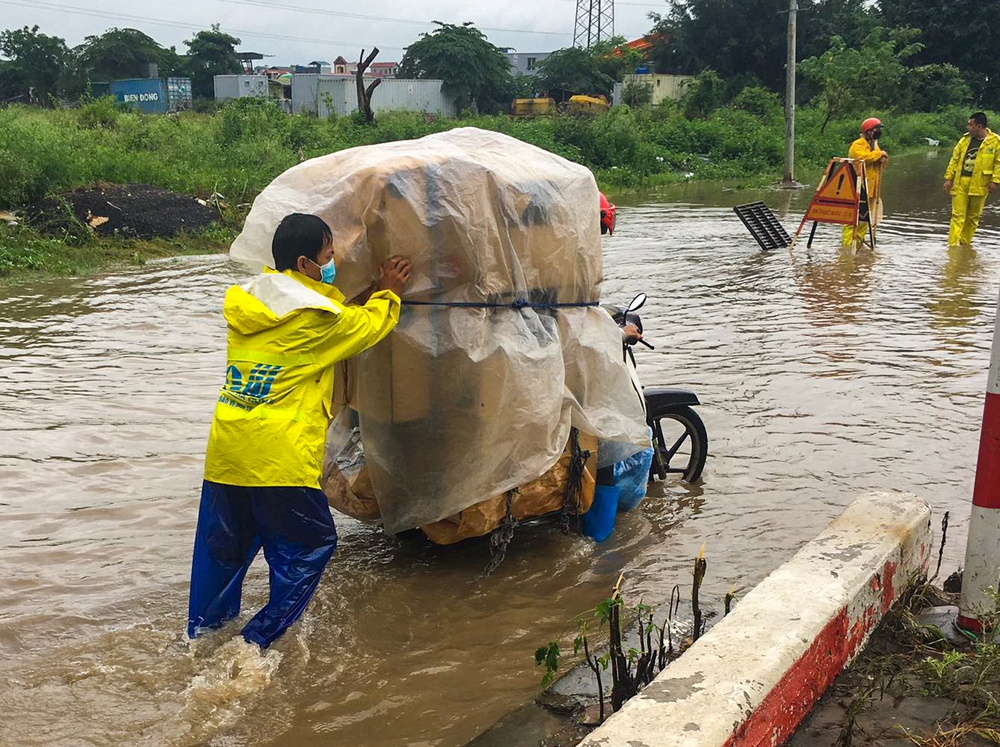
(501, 348)
(568, 486)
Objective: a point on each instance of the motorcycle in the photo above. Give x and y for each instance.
(680, 440)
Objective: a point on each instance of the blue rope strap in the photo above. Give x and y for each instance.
(519, 304)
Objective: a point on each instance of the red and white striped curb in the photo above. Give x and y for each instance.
(982, 553)
(752, 678)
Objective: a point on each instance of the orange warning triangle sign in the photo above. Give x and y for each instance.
(840, 187)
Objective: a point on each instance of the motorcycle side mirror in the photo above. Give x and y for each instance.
(637, 303)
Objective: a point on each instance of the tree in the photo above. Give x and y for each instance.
(963, 33)
(475, 73)
(210, 53)
(748, 37)
(934, 87)
(32, 65)
(705, 94)
(851, 20)
(365, 94)
(573, 70)
(123, 53)
(615, 58)
(635, 93)
(699, 34)
(872, 76)
(524, 86)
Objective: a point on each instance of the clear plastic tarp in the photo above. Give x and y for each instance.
(497, 354)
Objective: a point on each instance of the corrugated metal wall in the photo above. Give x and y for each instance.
(324, 95)
(662, 86)
(178, 94)
(304, 93)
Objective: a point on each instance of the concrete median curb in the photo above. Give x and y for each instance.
(752, 678)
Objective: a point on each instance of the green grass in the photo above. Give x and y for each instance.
(238, 150)
(25, 253)
(906, 659)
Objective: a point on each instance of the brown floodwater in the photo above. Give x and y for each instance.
(823, 375)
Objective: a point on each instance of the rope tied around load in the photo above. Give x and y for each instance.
(502, 535)
(574, 481)
(519, 304)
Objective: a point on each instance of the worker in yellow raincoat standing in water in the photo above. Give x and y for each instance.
(973, 173)
(287, 328)
(866, 148)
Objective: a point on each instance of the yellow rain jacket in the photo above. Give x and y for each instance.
(862, 150)
(987, 167)
(286, 332)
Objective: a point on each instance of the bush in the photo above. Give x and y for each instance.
(207, 106)
(705, 94)
(636, 93)
(250, 118)
(760, 102)
(35, 153)
(936, 87)
(101, 113)
(238, 151)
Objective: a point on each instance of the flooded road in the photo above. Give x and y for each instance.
(823, 375)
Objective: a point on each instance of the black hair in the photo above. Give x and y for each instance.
(298, 235)
(979, 118)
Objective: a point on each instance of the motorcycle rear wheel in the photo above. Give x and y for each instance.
(680, 447)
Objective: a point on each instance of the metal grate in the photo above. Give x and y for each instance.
(763, 226)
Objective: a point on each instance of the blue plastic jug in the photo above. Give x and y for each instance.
(599, 521)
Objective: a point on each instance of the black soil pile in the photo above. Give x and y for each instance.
(130, 211)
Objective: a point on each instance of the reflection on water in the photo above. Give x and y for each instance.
(835, 289)
(955, 303)
(824, 373)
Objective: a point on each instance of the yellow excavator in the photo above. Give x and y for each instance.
(537, 107)
(587, 105)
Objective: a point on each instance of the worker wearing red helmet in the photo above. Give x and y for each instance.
(607, 216)
(866, 148)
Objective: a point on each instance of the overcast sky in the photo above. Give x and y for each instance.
(282, 28)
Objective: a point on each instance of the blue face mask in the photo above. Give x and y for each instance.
(328, 272)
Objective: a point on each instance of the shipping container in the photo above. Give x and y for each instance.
(100, 88)
(178, 94)
(148, 95)
(339, 96)
(304, 92)
(240, 86)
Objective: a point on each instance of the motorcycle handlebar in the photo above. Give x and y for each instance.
(633, 341)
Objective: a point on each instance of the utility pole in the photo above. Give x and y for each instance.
(789, 180)
(982, 551)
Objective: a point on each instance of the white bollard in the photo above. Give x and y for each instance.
(982, 554)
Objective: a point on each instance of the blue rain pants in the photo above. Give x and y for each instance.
(296, 530)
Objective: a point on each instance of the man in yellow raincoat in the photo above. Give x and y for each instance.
(866, 148)
(973, 173)
(286, 331)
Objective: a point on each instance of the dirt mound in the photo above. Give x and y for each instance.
(131, 210)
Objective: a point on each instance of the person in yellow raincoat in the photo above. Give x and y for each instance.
(973, 173)
(866, 148)
(286, 331)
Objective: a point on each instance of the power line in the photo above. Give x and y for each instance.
(661, 6)
(387, 19)
(190, 26)
(72, 10)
